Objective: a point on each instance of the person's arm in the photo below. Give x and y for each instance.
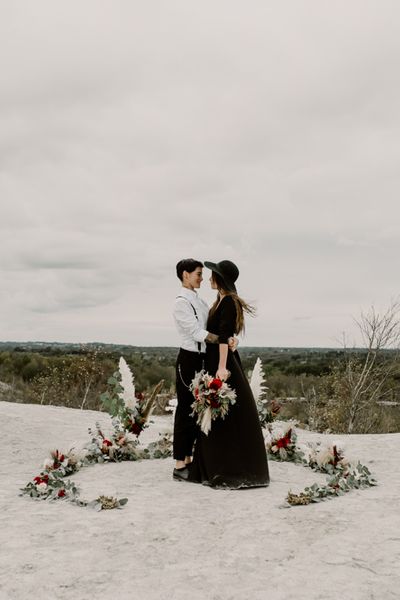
(212, 338)
(222, 372)
(226, 331)
(233, 342)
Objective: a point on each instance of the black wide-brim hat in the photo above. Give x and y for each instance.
(227, 270)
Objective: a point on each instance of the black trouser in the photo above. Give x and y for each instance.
(185, 428)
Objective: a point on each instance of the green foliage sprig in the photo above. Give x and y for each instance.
(343, 481)
(111, 399)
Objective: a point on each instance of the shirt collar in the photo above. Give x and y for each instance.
(189, 294)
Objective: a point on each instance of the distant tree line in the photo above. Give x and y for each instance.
(340, 390)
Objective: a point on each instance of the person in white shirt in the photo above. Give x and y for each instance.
(190, 315)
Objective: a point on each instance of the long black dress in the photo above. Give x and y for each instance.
(233, 453)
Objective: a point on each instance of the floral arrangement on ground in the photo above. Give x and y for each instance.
(282, 445)
(130, 412)
(343, 476)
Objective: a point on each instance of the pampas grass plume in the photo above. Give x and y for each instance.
(257, 381)
(128, 393)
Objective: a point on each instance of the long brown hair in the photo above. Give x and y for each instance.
(241, 305)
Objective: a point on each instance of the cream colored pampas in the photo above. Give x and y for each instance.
(257, 381)
(127, 384)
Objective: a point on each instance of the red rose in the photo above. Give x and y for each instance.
(214, 403)
(215, 384)
(107, 443)
(285, 441)
(135, 428)
(61, 493)
(196, 393)
(58, 458)
(39, 479)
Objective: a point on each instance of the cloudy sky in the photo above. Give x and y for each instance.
(133, 134)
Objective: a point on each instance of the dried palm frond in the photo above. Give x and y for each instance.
(149, 405)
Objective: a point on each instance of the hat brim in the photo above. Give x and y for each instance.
(214, 267)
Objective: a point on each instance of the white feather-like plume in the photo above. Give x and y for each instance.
(127, 384)
(257, 381)
(206, 419)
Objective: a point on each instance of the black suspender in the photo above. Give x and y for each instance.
(196, 315)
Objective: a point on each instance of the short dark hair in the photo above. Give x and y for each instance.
(187, 264)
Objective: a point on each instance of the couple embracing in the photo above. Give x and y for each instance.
(233, 453)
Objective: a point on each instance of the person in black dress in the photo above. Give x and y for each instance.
(233, 454)
(190, 315)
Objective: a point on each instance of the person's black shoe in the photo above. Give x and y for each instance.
(181, 474)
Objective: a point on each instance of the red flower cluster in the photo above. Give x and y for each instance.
(61, 493)
(214, 403)
(285, 440)
(39, 479)
(107, 442)
(58, 459)
(336, 456)
(134, 427)
(215, 384)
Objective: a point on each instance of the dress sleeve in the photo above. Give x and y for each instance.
(227, 324)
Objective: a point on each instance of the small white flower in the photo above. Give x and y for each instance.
(172, 404)
(81, 454)
(48, 463)
(130, 403)
(42, 487)
(325, 455)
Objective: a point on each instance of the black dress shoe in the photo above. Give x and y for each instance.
(181, 474)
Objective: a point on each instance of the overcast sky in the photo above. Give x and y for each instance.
(134, 134)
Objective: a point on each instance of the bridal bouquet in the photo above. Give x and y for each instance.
(212, 398)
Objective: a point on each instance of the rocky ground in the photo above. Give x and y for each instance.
(175, 541)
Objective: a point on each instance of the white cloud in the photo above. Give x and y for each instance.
(133, 135)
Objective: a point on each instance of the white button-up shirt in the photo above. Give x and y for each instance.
(191, 329)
